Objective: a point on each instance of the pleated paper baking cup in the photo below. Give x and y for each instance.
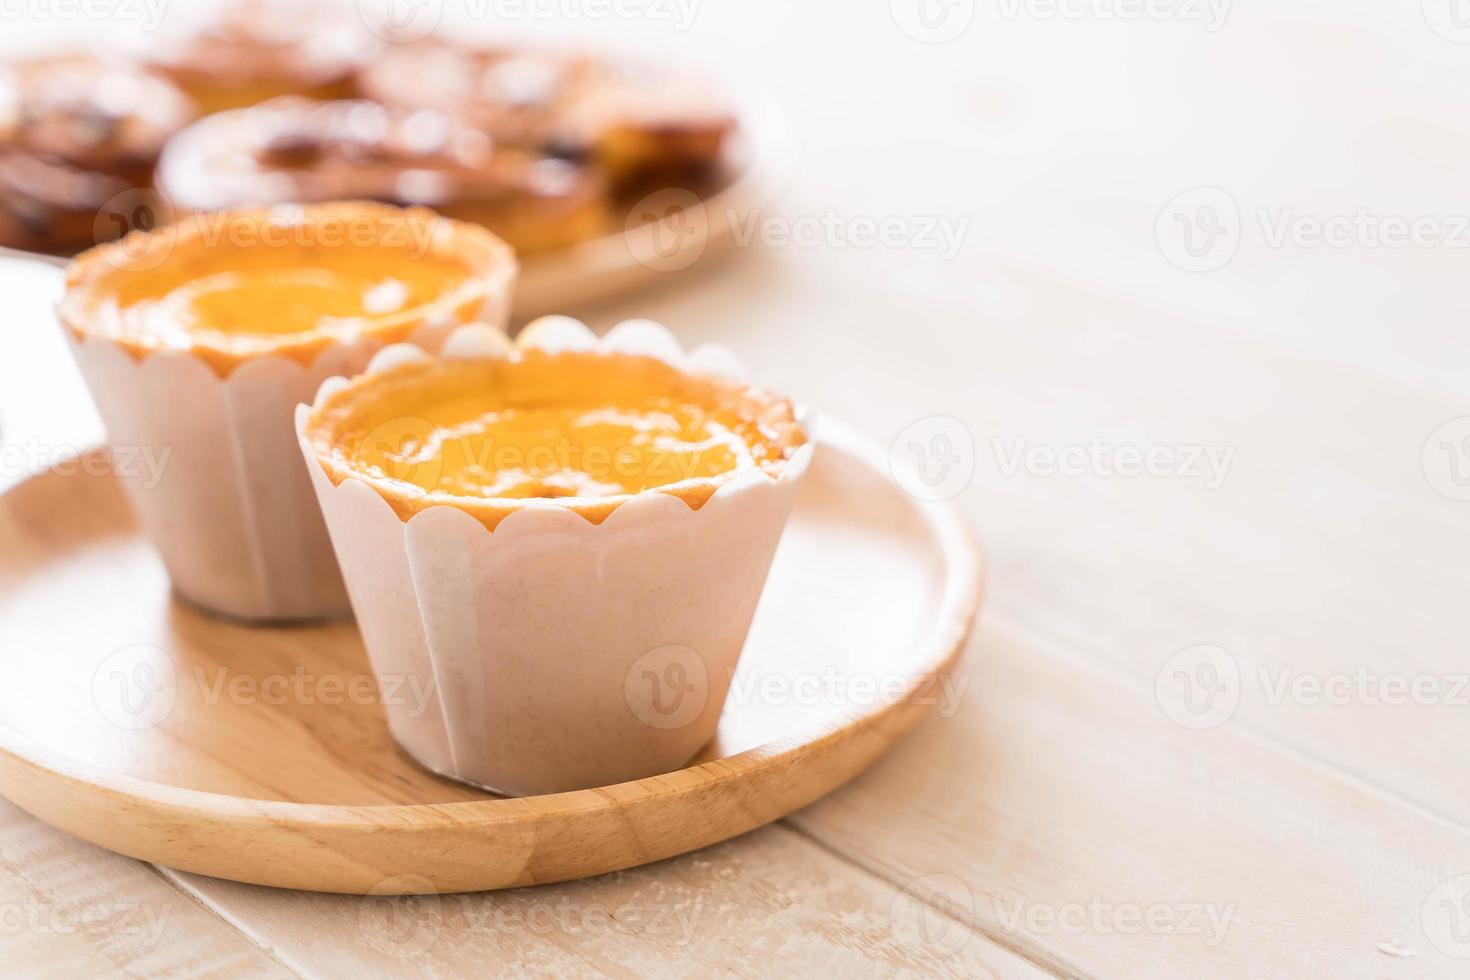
(228, 503)
(561, 654)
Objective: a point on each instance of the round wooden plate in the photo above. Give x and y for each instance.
(261, 755)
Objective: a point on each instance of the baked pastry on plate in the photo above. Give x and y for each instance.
(242, 52)
(637, 123)
(77, 131)
(300, 150)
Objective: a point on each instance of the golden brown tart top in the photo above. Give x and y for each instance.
(233, 286)
(585, 430)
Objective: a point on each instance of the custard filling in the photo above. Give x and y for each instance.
(283, 302)
(231, 286)
(549, 425)
(256, 293)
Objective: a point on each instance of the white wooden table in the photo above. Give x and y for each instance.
(1217, 711)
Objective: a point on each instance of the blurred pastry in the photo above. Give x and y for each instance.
(244, 52)
(298, 150)
(76, 132)
(650, 128)
(636, 124)
(518, 97)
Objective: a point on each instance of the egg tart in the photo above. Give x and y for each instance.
(290, 281)
(243, 52)
(199, 340)
(76, 132)
(301, 150)
(533, 530)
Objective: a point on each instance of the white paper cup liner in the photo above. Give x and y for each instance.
(558, 654)
(228, 503)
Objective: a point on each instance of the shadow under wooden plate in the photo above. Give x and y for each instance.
(262, 755)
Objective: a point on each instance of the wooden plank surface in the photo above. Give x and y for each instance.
(1059, 822)
(1075, 821)
(68, 909)
(769, 904)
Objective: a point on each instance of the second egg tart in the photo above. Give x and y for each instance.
(232, 286)
(198, 341)
(582, 430)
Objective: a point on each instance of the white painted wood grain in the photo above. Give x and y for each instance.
(770, 904)
(1075, 822)
(69, 909)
